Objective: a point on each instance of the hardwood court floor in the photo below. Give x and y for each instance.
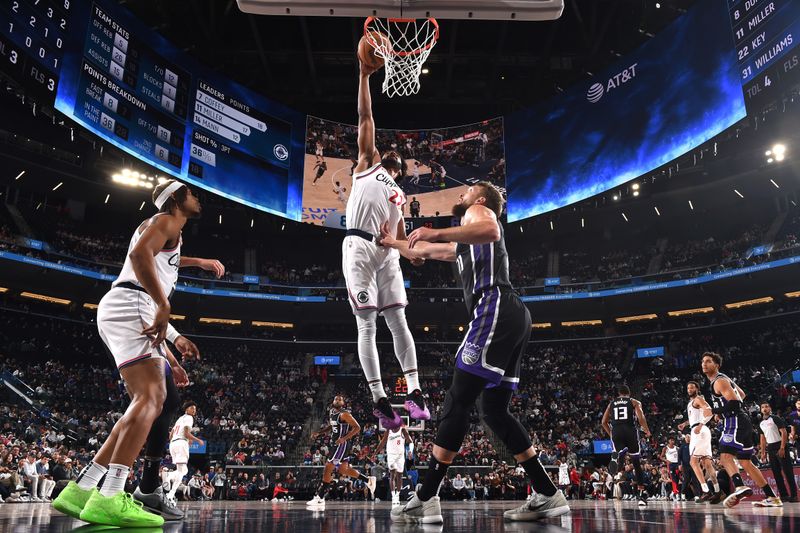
(358, 517)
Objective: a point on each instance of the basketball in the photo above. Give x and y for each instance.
(366, 52)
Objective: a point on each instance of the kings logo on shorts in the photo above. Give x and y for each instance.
(471, 353)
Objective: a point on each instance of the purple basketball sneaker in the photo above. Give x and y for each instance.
(386, 415)
(415, 405)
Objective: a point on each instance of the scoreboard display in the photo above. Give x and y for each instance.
(32, 40)
(130, 86)
(766, 34)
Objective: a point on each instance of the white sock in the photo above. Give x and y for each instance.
(115, 480)
(716, 484)
(368, 353)
(91, 475)
(704, 486)
(176, 478)
(404, 348)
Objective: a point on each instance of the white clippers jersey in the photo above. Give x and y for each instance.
(672, 454)
(695, 415)
(185, 421)
(375, 199)
(395, 444)
(167, 263)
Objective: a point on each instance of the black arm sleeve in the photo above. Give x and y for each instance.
(731, 406)
(779, 422)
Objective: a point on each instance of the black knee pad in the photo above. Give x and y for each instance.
(494, 413)
(157, 439)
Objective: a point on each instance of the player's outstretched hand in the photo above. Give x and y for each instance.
(422, 234)
(180, 377)
(212, 265)
(366, 70)
(187, 348)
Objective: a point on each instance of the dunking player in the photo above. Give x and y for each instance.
(395, 441)
(618, 422)
(488, 360)
(179, 439)
(700, 444)
(372, 272)
(736, 441)
(133, 321)
(343, 427)
(321, 167)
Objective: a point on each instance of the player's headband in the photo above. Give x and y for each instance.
(166, 193)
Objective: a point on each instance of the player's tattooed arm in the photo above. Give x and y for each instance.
(354, 425)
(640, 415)
(604, 422)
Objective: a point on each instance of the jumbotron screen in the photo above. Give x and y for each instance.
(131, 87)
(442, 163)
(674, 93)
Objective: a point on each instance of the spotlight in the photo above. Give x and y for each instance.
(635, 186)
(425, 71)
(635, 193)
(616, 197)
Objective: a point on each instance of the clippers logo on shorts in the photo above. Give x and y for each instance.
(471, 353)
(598, 90)
(281, 152)
(362, 297)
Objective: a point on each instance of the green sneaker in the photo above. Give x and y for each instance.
(119, 510)
(72, 499)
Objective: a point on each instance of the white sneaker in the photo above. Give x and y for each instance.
(539, 507)
(418, 512)
(737, 496)
(769, 502)
(315, 502)
(35, 499)
(372, 482)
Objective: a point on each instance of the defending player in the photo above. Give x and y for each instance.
(488, 360)
(618, 422)
(395, 441)
(320, 167)
(180, 437)
(372, 272)
(736, 441)
(342, 427)
(133, 321)
(700, 444)
(339, 190)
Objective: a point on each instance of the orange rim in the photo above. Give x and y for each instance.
(408, 21)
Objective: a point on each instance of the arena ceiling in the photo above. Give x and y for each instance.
(478, 69)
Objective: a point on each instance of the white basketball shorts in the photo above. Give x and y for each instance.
(179, 451)
(372, 274)
(121, 317)
(700, 443)
(396, 462)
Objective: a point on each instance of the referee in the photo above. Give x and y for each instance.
(773, 442)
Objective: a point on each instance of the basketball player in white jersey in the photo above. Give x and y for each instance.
(700, 444)
(395, 441)
(372, 272)
(179, 439)
(340, 190)
(670, 455)
(133, 321)
(415, 173)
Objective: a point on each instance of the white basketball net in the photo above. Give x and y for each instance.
(409, 44)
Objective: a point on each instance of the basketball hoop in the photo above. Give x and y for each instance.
(407, 46)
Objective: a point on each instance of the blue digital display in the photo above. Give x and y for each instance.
(327, 359)
(675, 92)
(603, 446)
(552, 282)
(644, 353)
(254, 280)
(131, 87)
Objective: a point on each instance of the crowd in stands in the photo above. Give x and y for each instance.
(586, 262)
(255, 400)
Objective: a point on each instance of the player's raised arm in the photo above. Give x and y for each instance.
(367, 153)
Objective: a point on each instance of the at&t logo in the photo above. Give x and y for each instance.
(597, 90)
